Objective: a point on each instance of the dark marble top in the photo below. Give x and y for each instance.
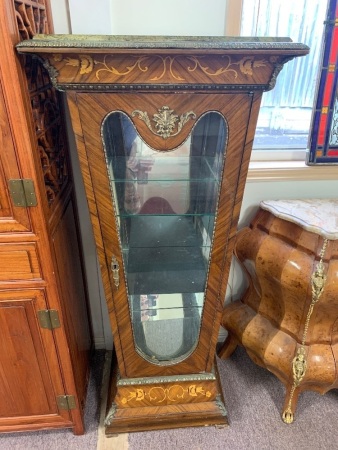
(164, 42)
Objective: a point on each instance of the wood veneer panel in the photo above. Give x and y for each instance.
(33, 146)
(12, 218)
(93, 109)
(74, 305)
(27, 385)
(19, 262)
(279, 258)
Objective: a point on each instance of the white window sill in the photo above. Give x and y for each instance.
(289, 171)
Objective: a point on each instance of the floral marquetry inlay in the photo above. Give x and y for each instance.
(170, 394)
(121, 63)
(164, 65)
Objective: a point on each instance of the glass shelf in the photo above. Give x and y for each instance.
(166, 254)
(132, 216)
(166, 197)
(166, 167)
(170, 305)
(146, 231)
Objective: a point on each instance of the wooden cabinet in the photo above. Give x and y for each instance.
(164, 129)
(12, 218)
(44, 328)
(30, 370)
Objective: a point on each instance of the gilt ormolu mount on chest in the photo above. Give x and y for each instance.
(164, 129)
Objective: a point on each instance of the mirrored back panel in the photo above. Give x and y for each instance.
(165, 204)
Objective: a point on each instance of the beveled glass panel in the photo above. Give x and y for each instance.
(165, 203)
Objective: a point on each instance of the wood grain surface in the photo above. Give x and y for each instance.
(99, 81)
(279, 258)
(39, 243)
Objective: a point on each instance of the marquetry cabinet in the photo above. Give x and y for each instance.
(44, 328)
(164, 129)
(287, 320)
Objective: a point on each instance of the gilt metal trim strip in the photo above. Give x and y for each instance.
(160, 87)
(299, 362)
(166, 379)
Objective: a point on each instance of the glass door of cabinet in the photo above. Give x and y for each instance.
(165, 205)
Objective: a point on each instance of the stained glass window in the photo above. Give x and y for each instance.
(323, 142)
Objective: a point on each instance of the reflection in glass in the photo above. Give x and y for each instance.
(165, 203)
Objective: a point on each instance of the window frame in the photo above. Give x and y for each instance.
(233, 19)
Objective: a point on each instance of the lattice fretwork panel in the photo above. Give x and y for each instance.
(31, 17)
(51, 147)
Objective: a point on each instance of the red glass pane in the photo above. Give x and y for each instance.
(322, 129)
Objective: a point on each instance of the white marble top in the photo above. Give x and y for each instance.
(319, 216)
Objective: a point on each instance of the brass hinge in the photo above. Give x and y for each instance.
(49, 318)
(66, 402)
(22, 192)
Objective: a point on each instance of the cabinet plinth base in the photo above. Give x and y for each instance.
(128, 420)
(168, 402)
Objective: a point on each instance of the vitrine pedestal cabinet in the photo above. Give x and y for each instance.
(164, 129)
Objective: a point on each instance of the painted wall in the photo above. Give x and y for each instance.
(177, 17)
(61, 16)
(183, 17)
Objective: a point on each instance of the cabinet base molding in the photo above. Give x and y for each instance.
(166, 402)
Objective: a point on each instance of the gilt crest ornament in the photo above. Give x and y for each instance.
(166, 122)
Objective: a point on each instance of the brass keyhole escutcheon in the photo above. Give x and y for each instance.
(115, 268)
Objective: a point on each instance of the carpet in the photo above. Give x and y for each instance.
(254, 399)
(253, 396)
(64, 439)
